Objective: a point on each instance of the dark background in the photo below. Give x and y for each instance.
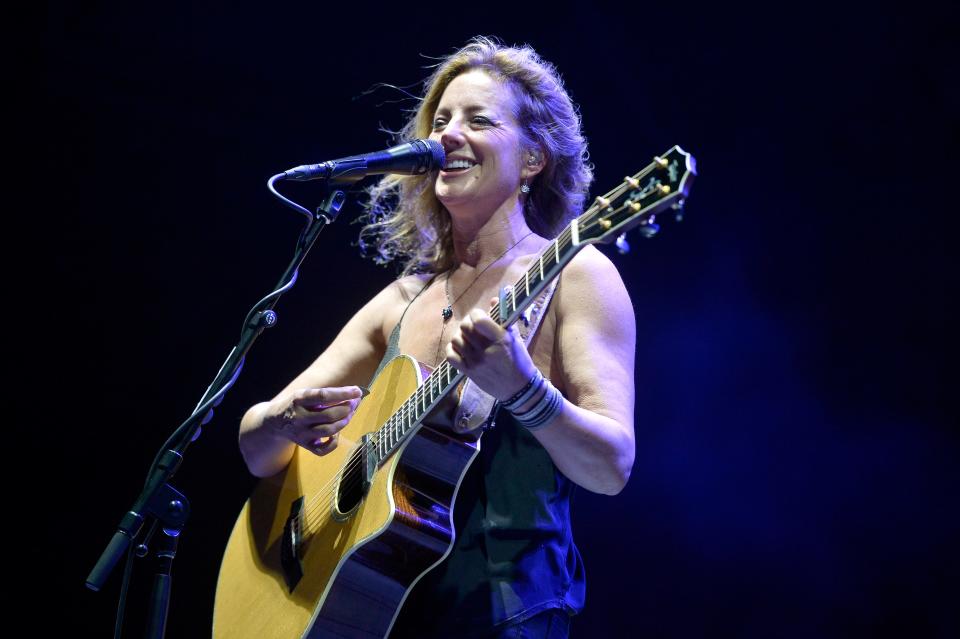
(796, 470)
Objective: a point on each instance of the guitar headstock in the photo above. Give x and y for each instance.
(663, 185)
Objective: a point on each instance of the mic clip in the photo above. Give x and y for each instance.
(347, 171)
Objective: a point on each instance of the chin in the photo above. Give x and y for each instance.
(451, 199)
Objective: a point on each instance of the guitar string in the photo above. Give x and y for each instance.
(320, 504)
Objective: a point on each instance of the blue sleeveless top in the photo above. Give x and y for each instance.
(514, 554)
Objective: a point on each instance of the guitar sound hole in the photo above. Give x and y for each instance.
(351, 489)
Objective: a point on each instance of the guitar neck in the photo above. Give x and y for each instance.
(514, 300)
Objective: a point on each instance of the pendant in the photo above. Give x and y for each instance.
(447, 313)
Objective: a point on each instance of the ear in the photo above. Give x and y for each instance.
(532, 161)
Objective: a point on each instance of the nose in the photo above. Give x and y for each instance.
(452, 136)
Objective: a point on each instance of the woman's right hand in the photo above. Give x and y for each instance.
(312, 417)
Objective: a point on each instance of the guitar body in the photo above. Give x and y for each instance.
(342, 565)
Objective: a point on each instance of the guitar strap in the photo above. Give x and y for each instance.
(477, 409)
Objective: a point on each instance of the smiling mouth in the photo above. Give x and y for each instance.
(454, 171)
(458, 166)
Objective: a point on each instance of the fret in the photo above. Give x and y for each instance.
(547, 263)
(556, 250)
(528, 276)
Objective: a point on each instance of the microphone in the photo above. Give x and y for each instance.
(413, 158)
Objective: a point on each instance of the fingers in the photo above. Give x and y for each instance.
(320, 398)
(320, 439)
(298, 417)
(484, 326)
(314, 416)
(475, 334)
(322, 446)
(479, 330)
(454, 358)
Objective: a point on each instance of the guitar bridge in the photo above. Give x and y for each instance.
(290, 544)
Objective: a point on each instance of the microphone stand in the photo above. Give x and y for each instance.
(161, 504)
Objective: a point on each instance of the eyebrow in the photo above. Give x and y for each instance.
(473, 108)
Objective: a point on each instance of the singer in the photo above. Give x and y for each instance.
(516, 172)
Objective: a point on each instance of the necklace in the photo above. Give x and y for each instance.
(447, 311)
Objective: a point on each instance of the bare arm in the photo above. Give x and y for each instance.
(591, 440)
(319, 402)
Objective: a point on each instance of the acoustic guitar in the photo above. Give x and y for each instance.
(330, 546)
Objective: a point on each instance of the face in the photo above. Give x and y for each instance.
(475, 124)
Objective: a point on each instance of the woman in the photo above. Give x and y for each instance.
(515, 174)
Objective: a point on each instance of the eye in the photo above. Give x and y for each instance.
(438, 123)
(479, 119)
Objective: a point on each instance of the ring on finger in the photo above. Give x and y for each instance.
(286, 420)
(321, 444)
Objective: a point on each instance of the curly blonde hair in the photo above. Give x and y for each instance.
(406, 221)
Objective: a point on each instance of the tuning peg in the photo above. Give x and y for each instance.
(678, 207)
(649, 230)
(622, 245)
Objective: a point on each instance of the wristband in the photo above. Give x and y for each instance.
(524, 394)
(542, 413)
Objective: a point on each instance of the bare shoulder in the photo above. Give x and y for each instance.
(591, 285)
(388, 305)
(396, 294)
(353, 355)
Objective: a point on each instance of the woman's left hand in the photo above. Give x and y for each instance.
(496, 359)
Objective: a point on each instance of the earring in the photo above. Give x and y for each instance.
(524, 188)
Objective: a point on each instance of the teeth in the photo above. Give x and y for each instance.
(459, 164)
